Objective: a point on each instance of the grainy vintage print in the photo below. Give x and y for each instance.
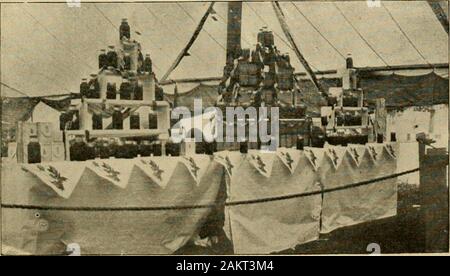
(224, 128)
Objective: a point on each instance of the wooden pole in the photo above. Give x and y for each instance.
(233, 29)
(380, 119)
(434, 198)
(66, 146)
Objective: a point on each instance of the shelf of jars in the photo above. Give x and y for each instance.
(124, 103)
(352, 127)
(118, 133)
(352, 108)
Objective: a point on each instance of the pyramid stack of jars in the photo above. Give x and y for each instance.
(346, 118)
(264, 68)
(123, 96)
(265, 65)
(126, 63)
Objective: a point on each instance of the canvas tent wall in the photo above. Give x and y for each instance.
(44, 113)
(400, 89)
(15, 109)
(166, 27)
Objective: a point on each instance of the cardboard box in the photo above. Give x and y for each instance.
(45, 132)
(46, 152)
(58, 151)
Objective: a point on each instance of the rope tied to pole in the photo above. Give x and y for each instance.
(210, 205)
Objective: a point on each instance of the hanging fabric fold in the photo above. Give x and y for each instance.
(59, 176)
(196, 165)
(230, 160)
(115, 171)
(262, 162)
(289, 157)
(159, 169)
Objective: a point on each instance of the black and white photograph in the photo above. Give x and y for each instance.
(230, 128)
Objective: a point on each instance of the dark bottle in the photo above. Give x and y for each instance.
(269, 79)
(364, 139)
(245, 54)
(90, 151)
(117, 119)
(148, 64)
(324, 120)
(104, 149)
(78, 150)
(124, 30)
(140, 65)
(393, 137)
(138, 92)
(111, 91)
(200, 148)
(152, 121)
(350, 100)
(210, 147)
(340, 120)
(134, 121)
(380, 138)
(173, 149)
(94, 87)
(145, 148)
(127, 62)
(34, 150)
(357, 120)
(243, 147)
(159, 93)
(300, 142)
(260, 37)
(125, 90)
(126, 150)
(111, 57)
(156, 148)
(97, 121)
(102, 59)
(135, 148)
(130, 149)
(97, 146)
(119, 149)
(349, 62)
(268, 39)
(84, 88)
(347, 119)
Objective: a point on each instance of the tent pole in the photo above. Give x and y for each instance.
(234, 27)
(185, 50)
(440, 13)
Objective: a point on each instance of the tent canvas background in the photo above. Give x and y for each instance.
(46, 45)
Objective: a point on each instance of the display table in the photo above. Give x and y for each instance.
(92, 196)
(280, 217)
(154, 205)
